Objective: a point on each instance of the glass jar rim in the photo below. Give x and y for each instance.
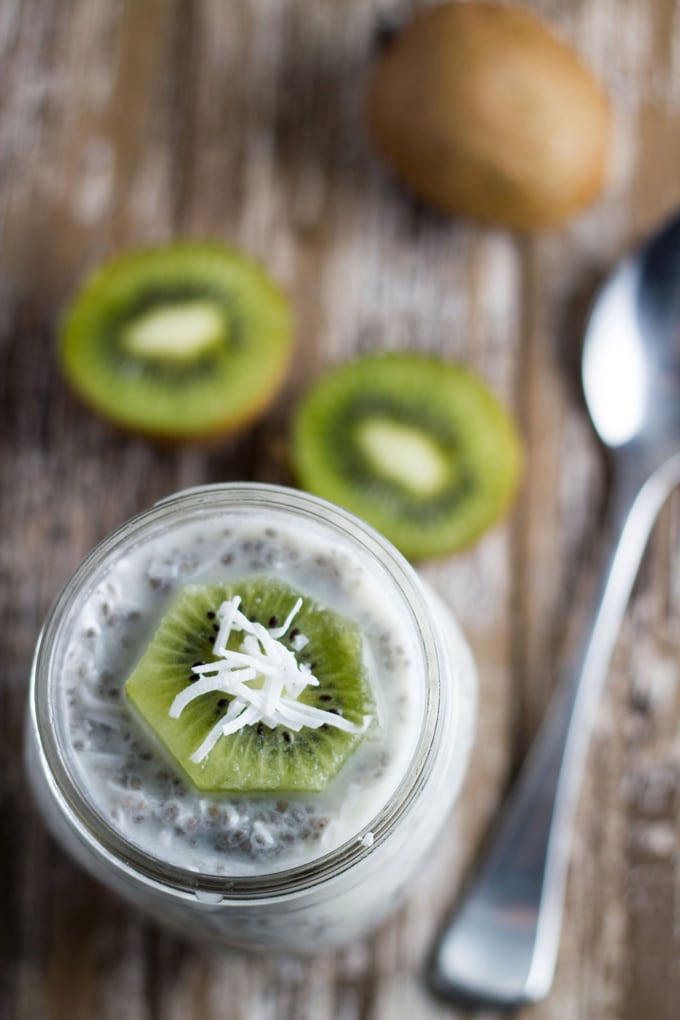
(94, 827)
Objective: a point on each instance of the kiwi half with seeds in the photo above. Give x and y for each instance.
(256, 758)
(178, 342)
(417, 446)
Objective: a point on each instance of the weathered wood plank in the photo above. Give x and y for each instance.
(122, 123)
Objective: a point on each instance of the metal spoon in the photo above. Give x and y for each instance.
(500, 947)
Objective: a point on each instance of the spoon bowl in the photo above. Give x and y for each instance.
(631, 352)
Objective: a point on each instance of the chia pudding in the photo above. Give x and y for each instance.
(125, 773)
(114, 796)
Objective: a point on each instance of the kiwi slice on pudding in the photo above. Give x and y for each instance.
(178, 342)
(417, 446)
(289, 739)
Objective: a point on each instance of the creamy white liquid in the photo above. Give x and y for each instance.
(125, 775)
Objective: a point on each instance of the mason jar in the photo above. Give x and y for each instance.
(295, 872)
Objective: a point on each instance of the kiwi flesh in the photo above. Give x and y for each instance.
(417, 446)
(182, 341)
(255, 758)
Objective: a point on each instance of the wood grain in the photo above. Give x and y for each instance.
(123, 123)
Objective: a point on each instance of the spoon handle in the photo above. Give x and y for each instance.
(500, 947)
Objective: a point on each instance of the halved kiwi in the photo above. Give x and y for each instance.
(178, 342)
(417, 446)
(256, 758)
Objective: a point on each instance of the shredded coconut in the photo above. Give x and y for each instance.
(264, 659)
(299, 642)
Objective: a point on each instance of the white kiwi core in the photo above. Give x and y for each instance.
(404, 454)
(176, 332)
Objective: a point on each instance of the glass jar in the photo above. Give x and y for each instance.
(340, 889)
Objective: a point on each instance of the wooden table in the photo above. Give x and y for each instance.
(125, 123)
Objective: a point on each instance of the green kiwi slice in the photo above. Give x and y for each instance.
(178, 342)
(417, 446)
(256, 757)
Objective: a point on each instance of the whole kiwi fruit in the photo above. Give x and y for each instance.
(481, 111)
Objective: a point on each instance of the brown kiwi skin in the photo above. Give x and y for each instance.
(230, 426)
(472, 152)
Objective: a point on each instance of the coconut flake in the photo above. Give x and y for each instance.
(226, 622)
(279, 632)
(279, 676)
(299, 642)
